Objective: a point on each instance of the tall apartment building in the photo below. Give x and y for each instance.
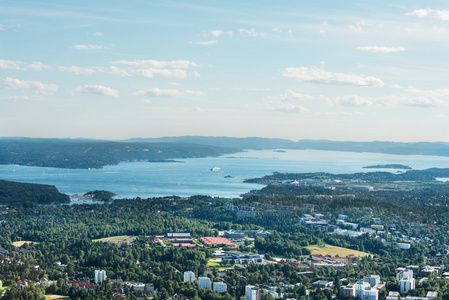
(189, 276)
(373, 280)
(252, 293)
(406, 284)
(204, 283)
(100, 276)
(219, 287)
(364, 291)
(406, 273)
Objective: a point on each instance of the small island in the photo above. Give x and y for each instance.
(104, 196)
(389, 166)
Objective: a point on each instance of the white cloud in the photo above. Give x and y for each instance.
(150, 63)
(98, 90)
(206, 43)
(250, 32)
(291, 95)
(323, 30)
(433, 13)
(283, 106)
(340, 113)
(174, 83)
(157, 92)
(419, 101)
(380, 49)
(276, 30)
(218, 33)
(29, 85)
(432, 93)
(2, 28)
(79, 70)
(195, 93)
(117, 71)
(98, 34)
(11, 64)
(196, 74)
(89, 47)
(441, 116)
(318, 75)
(15, 98)
(396, 86)
(149, 68)
(150, 72)
(38, 66)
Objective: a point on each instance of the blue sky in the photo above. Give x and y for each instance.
(339, 70)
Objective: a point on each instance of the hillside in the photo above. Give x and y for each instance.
(83, 154)
(20, 193)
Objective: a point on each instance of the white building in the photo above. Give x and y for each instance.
(364, 290)
(404, 246)
(189, 276)
(406, 284)
(204, 283)
(252, 293)
(100, 276)
(373, 280)
(406, 273)
(219, 287)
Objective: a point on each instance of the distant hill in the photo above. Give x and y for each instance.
(83, 154)
(422, 148)
(21, 193)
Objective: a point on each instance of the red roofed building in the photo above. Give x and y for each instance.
(211, 241)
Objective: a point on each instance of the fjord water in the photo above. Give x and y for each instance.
(194, 176)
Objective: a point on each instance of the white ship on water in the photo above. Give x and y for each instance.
(215, 169)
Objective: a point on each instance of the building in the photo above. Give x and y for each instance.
(100, 276)
(406, 284)
(189, 276)
(393, 296)
(177, 235)
(204, 283)
(252, 293)
(242, 258)
(404, 246)
(323, 284)
(432, 295)
(1, 285)
(347, 291)
(219, 287)
(373, 280)
(364, 291)
(406, 273)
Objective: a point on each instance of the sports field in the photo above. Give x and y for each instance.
(334, 250)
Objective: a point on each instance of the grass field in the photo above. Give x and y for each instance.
(20, 243)
(334, 250)
(116, 239)
(49, 297)
(212, 263)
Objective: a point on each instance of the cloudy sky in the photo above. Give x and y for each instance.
(339, 70)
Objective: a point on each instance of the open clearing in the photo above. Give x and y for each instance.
(334, 250)
(55, 297)
(116, 239)
(20, 243)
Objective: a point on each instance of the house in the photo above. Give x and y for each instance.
(242, 258)
(323, 284)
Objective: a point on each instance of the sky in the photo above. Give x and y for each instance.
(321, 69)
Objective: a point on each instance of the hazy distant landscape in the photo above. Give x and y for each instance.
(84, 154)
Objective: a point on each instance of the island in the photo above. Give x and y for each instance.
(389, 166)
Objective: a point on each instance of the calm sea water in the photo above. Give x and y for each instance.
(194, 176)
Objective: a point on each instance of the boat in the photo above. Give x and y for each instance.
(215, 169)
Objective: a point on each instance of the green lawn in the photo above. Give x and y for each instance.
(212, 264)
(334, 250)
(20, 243)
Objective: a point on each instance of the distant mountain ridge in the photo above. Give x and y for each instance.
(87, 153)
(419, 148)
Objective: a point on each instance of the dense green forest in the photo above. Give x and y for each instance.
(69, 242)
(26, 193)
(84, 154)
